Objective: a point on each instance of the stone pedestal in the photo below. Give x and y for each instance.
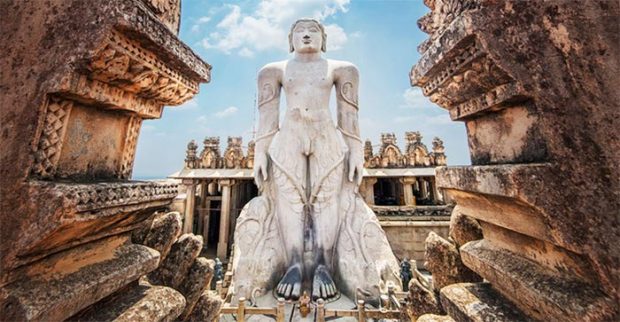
(536, 85)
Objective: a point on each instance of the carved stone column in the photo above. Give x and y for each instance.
(83, 78)
(408, 190)
(222, 245)
(367, 190)
(536, 85)
(190, 202)
(423, 188)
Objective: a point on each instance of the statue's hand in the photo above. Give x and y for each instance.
(260, 169)
(356, 167)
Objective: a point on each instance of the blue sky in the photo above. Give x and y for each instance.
(238, 37)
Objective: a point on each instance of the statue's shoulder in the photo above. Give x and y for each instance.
(343, 68)
(272, 70)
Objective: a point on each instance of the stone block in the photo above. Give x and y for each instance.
(207, 308)
(478, 302)
(197, 282)
(421, 300)
(163, 232)
(434, 318)
(136, 303)
(68, 283)
(444, 262)
(463, 228)
(176, 266)
(538, 292)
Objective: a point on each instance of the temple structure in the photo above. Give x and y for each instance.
(398, 184)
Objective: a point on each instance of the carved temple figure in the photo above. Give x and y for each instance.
(310, 230)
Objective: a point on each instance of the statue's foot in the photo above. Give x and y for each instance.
(290, 285)
(323, 285)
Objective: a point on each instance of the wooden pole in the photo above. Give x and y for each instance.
(241, 310)
(320, 308)
(361, 315)
(280, 310)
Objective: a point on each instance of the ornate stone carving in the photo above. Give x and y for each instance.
(210, 155)
(81, 88)
(438, 156)
(168, 11)
(417, 153)
(367, 151)
(190, 158)
(129, 148)
(233, 156)
(124, 63)
(249, 160)
(442, 13)
(47, 150)
(88, 197)
(390, 156)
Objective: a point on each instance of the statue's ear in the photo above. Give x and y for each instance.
(290, 43)
(324, 43)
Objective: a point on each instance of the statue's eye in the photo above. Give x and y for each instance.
(314, 30)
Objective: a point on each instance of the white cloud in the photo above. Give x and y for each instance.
(229, 111)
(336, 37)
(441, 119)
(244, 52)
(413, 98)
(267, 27)
(201, 21)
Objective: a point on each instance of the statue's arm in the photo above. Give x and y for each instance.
(347, 83)
(269, 87)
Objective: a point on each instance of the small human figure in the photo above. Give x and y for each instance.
(304, 305)
(405, 273)
(218, 274)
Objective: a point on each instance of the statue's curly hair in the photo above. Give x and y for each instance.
(323, 34)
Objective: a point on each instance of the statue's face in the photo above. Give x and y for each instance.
(307, 37)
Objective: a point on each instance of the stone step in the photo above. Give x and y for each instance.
(478, 302)
(136, 303)
(434, 318)
(68, 282)
(537, 291)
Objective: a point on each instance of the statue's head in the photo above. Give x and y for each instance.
(306, 36)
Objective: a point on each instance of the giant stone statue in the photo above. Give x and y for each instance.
(310, 230)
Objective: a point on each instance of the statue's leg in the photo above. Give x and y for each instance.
(327, 172)
(287, 173)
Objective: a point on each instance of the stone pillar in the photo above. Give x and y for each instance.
(437, 194)
(545, 246)
(423, 188)
(408, 190)
(73, 108)
(367, 190)
(222, 245)
(212, 187)
(190, 200)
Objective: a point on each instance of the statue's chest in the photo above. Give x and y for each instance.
(307, 79)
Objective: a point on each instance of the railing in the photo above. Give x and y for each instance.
(391, 308)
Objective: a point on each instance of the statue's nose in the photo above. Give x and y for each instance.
(307, 37)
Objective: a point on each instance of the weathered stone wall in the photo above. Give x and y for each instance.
(407, 237)
(536, 84)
